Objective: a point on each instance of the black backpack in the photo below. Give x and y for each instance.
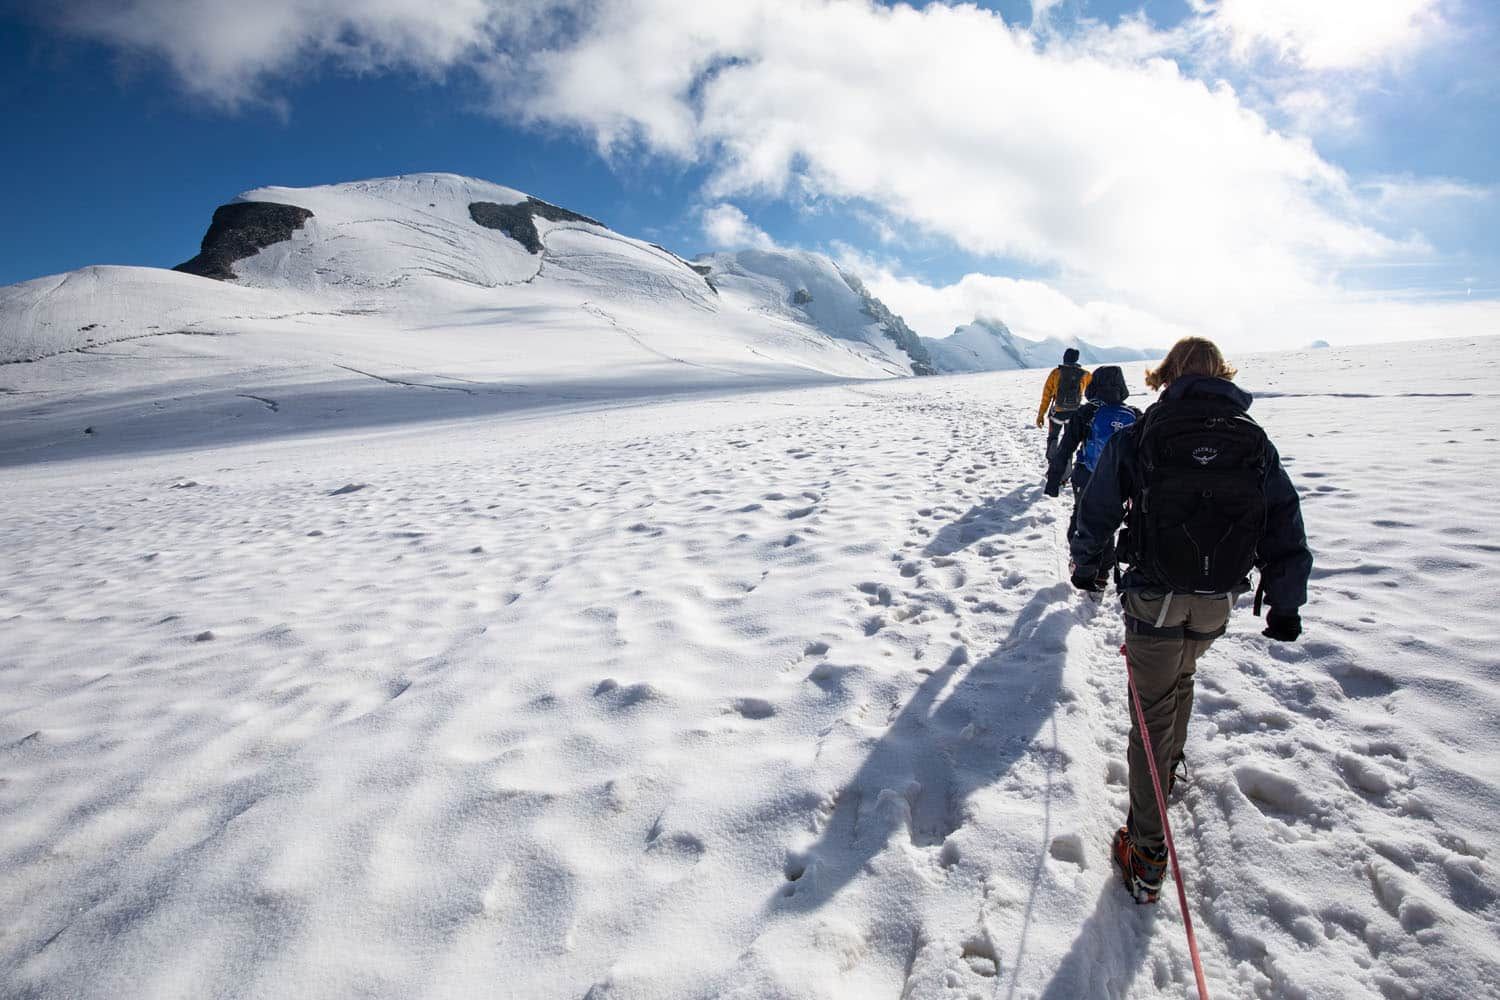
(1069, 388)
(1199, 511)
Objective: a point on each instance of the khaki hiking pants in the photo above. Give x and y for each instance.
(1164, 636)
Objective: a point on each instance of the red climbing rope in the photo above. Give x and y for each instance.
(1161, 804)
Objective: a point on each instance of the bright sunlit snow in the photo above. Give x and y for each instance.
(458, 622)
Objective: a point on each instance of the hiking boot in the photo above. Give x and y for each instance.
(1142, 870)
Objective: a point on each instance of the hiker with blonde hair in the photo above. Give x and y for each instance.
(1205, 499)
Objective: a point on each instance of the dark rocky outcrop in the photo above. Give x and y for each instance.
(893, 326)
(518, 221)
(242, 229)
(801, 297)
(706, 270)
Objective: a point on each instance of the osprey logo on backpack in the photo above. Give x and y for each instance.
(1205, 455)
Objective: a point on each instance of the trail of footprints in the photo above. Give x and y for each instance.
(953, 584)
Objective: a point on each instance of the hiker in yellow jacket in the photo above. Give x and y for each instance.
(1062, 394)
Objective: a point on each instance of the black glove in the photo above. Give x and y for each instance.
(1283, 626)
(1086, 578)
(1052, 489)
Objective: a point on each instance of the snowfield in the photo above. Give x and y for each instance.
(679, 675)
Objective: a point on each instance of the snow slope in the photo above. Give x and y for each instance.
(392, 272)
(801, 286)
(763, 694)
(987, 345)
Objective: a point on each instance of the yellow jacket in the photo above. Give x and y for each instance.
(1049, 392)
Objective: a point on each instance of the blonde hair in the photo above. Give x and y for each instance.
(1190, 356)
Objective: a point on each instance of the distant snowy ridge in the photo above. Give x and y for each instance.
(988, 345)
(808, 287)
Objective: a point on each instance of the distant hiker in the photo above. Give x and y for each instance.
(1062, 394)
(1207, 499)
(1087, 431)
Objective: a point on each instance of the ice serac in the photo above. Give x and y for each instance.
(987, 345)
(242, 229)
(809, 288)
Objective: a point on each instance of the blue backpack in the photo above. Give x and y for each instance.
(1109, 418)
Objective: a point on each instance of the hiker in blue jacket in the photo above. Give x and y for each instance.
(1207, 500)
(1087, 431)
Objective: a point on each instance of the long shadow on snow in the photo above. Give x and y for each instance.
(163, 418)
(919, 774)
(1005, 515)
(1110, 948)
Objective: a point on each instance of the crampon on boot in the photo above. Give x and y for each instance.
(1141, 871)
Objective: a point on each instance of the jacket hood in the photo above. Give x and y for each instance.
(1205, 385)
(1108, 385)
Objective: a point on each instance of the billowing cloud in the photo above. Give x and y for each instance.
(729, 228)
(1031, 308)
(1153, 189)
(224, 50)
(1037, 309)
(1326, 34)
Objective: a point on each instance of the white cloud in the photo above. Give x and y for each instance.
(1314, 110)
(1407, 194)
(1036, 309)
(223, 50)
(1031, 308)
(1041, 12)
(729, 228)
(1326, 34)
(1139, 184)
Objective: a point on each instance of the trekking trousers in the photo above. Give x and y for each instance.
(1055, 425)
(1081, 477)
(1165, 634)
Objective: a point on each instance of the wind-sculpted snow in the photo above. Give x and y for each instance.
(770, 694)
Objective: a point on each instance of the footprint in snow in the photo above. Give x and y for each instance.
(1362, 682)
(1068, 847)
(754, 708)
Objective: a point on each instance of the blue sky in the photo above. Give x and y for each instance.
(1350, 185)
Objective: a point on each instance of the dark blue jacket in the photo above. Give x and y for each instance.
(1282, 555)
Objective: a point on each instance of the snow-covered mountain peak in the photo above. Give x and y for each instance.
(451, 272)
(988, 344)
(388, 232)
(433, 194)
